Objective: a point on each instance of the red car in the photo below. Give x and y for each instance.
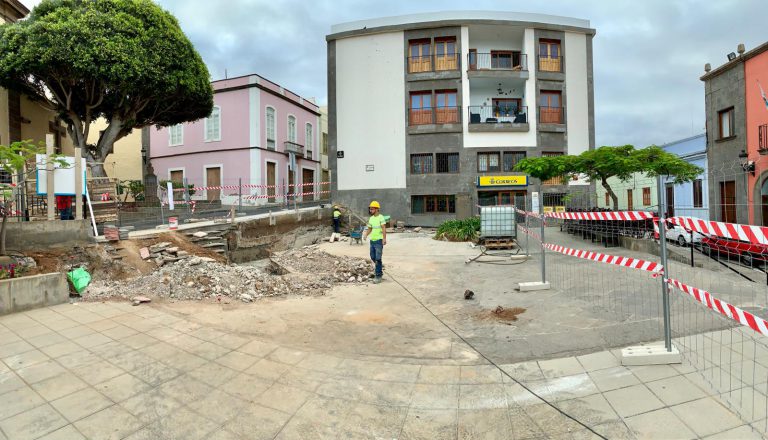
(749, 253)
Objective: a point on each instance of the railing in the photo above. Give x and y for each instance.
(433, 63)
(559, 180)
(293, 147)
(434, 115)
(551, 115)
(493, 61)
(498, 114)
(550, 64)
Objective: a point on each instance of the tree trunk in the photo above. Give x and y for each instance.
(614, 198)
(2, 235)
(97, 169)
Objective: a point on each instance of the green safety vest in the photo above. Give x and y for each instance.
(375, 224)
(336, 213)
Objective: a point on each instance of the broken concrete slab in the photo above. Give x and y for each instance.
(144, 252)
(159, 247)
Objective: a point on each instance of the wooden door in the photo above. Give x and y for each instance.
(213, 178)
(177, 177)
(271, 181)
(420, 59)
(445, 54)
(550, 108)
(670, 189)
(549, 56)
(421, 108)
(472, 59)
(446, 112)
(728, 201)
(291, 187)
(308, 178)
(630, 201)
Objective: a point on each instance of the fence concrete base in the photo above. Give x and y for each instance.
(25, 293)
(652, 247)
(27, 235)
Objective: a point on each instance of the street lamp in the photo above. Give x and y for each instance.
(747, 165)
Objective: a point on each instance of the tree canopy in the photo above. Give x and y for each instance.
(125, 60)
(621, 162)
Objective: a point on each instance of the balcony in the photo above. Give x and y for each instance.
(497, 64)
(550, 64)
(434, 120)
(293, 147)
(551, 115)
(430, 67)
(498, 118)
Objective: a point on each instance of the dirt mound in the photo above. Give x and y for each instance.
(502, 314)
(310, 260)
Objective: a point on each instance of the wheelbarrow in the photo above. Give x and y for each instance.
(356, 235)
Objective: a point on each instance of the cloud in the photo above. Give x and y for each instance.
(648, 55)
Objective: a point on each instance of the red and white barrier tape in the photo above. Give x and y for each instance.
(608, 215)
(531, 233)
(633, 263)
(734, 231)
(205, 188)
(742, 317)
(272, 196)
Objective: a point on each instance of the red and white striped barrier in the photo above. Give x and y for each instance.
(529, 232)
(633, 263)
(248, 185)
(608, 215)
(272, 196)
(734, 231)
(742, 317)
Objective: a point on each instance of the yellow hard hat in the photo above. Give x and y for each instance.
(374, 204)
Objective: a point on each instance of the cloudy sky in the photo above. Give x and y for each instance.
(648, 54)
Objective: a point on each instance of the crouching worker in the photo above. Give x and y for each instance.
(377, 230)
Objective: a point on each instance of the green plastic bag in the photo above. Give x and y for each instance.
(80, 278)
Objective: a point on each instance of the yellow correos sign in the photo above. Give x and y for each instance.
(502, 181)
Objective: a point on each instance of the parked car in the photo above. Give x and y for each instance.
(751, 254)
(679, 235)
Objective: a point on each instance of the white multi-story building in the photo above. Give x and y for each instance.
(429, 113)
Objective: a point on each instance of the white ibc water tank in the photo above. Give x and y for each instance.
(497, 221)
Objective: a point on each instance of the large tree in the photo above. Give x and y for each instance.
(602, 163)
(125, 60)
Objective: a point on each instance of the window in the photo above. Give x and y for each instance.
(511, 158)
(292, 128)
(177, 176)
(421, 108)
(630, 200)
(309, 140)
(270, 128)
(213, 125)
(487, 162)
(433, 204)
(325, 145)
(725, 122)
(550, 109)
(555, 180)
(421, 163)
(176, 135)
(697, 194)
(5, 176)
(607, 199)
(647, 196)
(446, 112)
(447, 162)
(762, 137)
(549, 56)
(504, 59)
(506, 106)
(446, 57)
(419, 56)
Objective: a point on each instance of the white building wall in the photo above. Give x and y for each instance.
(370, 100)
(254, 121)
(577, 93)
(502, 139)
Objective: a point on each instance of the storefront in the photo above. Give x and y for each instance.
(502, 190)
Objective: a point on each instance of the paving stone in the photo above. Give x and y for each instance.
(367, 391)
(598, 361)
(164, 333)
(484, 424)
(743, 432)
(32, 424)
(221, 407)
(119, 332)
(633, 400)
(256, 421)
(706, 416)
(613, 378)
(560, 367)
(155, 373)
(233, 342)
(222, 434)
(139, 340)
(18, 401)
(78, 331)
(209, 350)
(649, 373)
(131, 360)
(77, 359)
(184, 424)
(68, 432)
(184, 361)
(207, 333)
(81, 404)
(591, 410)
(33, 331)
(59, 386)
(308, 380)
(61, 349)
(550, 420)
(437, 396)
(246, 387)
(482, 396)
(438, 374)
(26, 359)
(237, 360)
(150, 405)
(523, 371)
(267, 369)
(614, 431)
(103, 325)
(186, 388)
(122, 387)
(14, 348)
(258, 348)
(10, 381)
(98, 372)
(480, 374)
(213, 374)
(287, 356)
(185, 342)
(675, 389)
(46, 340)
(570, 387)
(662, 423)
(523, 425)
(429, 424)
(41, 371)
(110, 423)
(283, 398)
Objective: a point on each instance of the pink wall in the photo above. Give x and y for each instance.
(756, 69)
(282, 109)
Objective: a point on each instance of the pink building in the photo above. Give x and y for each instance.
(255, 129)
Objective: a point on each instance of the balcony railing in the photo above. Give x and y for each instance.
(293, 147)
(490, 114)
(551, 115)
(434, 115)
(550, 64)
(433, 63)
(494, 61)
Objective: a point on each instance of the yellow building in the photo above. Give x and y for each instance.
(125, 161)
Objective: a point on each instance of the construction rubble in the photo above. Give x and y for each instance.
(181, 276)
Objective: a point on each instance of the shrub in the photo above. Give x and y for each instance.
(459, 230)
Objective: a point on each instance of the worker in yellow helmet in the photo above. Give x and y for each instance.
(336, 220)
(377, 230)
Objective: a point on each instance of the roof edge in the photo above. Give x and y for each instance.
(738, 60)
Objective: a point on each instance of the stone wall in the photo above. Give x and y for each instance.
(25, 293)
(256, 239)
